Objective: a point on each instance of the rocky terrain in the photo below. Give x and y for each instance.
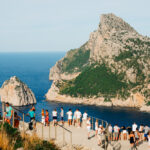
(111, 68)
(16, 93)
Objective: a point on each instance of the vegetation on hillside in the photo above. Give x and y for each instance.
(76, 60)
(11, 139)
(95, 81)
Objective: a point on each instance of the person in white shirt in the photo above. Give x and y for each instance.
(69, 113)
(100, 134)
(110, 132)
(134, 127)
(85, 116)
(78, 115)
(62, 115)
(84, 119)
(96, 127)
(88, 124)
(116, 132)
(54, 114)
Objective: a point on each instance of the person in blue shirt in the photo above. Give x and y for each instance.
(9, 113)
(31, 113)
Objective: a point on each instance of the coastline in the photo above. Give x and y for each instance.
(95, 102)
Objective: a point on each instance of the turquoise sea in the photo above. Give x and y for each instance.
(33, 69)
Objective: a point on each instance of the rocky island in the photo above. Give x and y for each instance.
(16, 93)
(112, 68)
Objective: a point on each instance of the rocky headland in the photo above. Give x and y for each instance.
(111, 69)
(16, 93)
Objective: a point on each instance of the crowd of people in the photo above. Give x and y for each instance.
(135, 134)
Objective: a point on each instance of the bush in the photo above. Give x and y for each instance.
(95, 80)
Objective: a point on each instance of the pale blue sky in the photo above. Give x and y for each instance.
(60, 25)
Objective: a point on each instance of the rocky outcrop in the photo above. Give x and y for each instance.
(16, 93)
(122, 49)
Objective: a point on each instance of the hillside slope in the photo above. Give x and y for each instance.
(113, 66)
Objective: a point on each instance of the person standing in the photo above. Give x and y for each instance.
(148, 137)
(43, 117)
(88, 124)
(100, 134)
(124, 131)
(110, 129)
(137, 136)
(8, 114)
(84, 119)
(69, 113)
(141, 131)
(62, 115)
(78, 115)
(134, 127)
(116, 132)
(16, 120)
(96, 127)
(146, 130)
(132, 139)
(32, 124)
(46, 118)
(54, 114)
(85, 115)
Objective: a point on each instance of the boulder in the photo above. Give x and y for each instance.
(16, 93)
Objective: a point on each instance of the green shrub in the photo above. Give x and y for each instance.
(95, 80)
(75, 60)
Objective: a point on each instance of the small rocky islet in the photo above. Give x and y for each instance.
(16, 92)
(112, 68)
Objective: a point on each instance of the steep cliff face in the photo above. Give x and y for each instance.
(114, 50)
(16, 93)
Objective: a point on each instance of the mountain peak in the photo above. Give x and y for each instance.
(111, 22)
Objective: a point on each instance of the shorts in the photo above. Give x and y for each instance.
(116, 134)
(96, 128)
(100, 137)
(109, 134)
(54, 117)
(145, 135)
(124, 132)
(62, 118)
(89, 129)
(78, 119)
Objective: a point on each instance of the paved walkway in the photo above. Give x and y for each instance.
(79, 137)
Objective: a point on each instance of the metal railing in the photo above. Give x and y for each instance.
(21, 113)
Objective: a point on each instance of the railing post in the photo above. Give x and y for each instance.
(23, 125)
(71, 139)
(55, 132)
(63, 137)
(13, 119)
(92, 122)
(49, 131)
(3, 107)
(42, 131)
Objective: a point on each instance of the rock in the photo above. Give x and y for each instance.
(16, 93)
(119, 46)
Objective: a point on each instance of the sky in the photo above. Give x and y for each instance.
(61, 25)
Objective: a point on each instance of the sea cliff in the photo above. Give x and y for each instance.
(112, 68)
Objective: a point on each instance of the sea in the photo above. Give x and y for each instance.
(33, 69)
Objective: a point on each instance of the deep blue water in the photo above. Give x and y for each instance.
(33, 69)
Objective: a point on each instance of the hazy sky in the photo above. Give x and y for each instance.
(60, 25)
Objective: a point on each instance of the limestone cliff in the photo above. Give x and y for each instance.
(115, 51)
(16, 93)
